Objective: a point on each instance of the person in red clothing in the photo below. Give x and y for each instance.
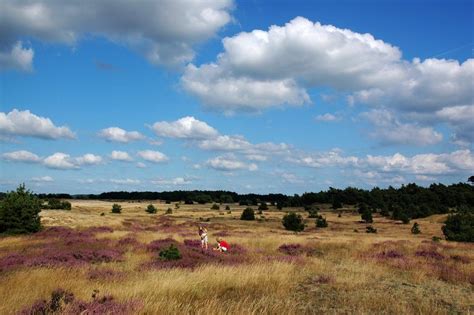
(222, 245)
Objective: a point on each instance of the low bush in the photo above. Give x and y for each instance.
(151, 209)
(116, 208)
(263, 206)
(370, 229)
(248, 214)
(227, 207)
(293, 222)
(367, 215)
(460, 227)
(169, 211)
(415, 229)
(215, 207)
(321, 222)
(171, 253)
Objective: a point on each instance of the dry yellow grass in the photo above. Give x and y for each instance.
(342, 277)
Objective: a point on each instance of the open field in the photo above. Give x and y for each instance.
(330, 270)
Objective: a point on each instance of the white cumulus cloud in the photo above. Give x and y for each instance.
(120, 135)
(25, 123)
(184, 128)
(230, 163)
(152, 156)
(121, 156)
(21, 156)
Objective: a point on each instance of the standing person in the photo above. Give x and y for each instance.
(203, 235)
(222, 245)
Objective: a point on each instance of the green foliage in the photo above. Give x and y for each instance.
(436, 239)
(171, 253)
(460, 227)
(169, 211)
(248, 214)
(362, 208)
(321, 222)
(56, 204)
(225, 198)
(293, 222)
(168, 202)
(263, 206)
(313, 214)
(370, 229)
(227, 207)
(203, 198)
(151, 209)
(188, 202)
(404, 218)
(367, 215)
(279, 206)
(116, 208)
(176, 205)
(19, 212)
(415, 229)
(336, 204)
(215, 207)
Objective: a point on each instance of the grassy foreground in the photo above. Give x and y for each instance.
(339, 269)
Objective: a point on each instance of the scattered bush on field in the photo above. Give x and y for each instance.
(56, 204)
(170, 253)
(293, 222)
(321, 222)
(367, 215)
(415, 229)
(169, 211)
(370, 229)
(215, 207)
(460, 226)
(151, 209)
(116, 208)
(263, 206)
(227, 207)
(248, 214)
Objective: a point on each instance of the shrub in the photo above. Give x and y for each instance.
(367, 215)
(215, 207)
(151, 209)
(362, 208)
(248, 214)
(336, 204)
(19, 212)
(279, 206)
(188, 202)
(171, 253)
(436, 239)
(415, 229)
(176, 205)
(293, 222)
(404, 218)
(460, 227)
(116, 208)
(263, 206)
(321, 222)
(370, 229)
(168, 202)
(169, 211)
(227, 207)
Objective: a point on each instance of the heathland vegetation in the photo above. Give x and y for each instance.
(343, 255)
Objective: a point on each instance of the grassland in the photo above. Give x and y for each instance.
(335, 270)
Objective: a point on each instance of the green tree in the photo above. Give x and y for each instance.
(151, 209)
(19, 212)
(321, 222)
(248, 214)
(415, 229)
(215, 207)
(367, 216)
(263, 206)
(116, 208)
(293, 222)
(460, 227)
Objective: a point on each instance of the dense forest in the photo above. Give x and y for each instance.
(410, 200)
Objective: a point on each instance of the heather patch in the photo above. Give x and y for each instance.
(192, 256)
(63, 247)
(298, 249)
(64, 302)
(429, 254)
(461, 259)
(104, 274)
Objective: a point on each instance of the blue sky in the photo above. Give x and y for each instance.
(248, 96)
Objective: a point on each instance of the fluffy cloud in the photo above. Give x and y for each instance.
(327, 117)
(120, 135)
(42, 179)
(120, 156)
(184, 128)
(461, 119)
(18, 58)
(230, 163)
(60, 161)
(152, 156)
(88, 159)
(174, 181)
(21, 156)
(64, 161)
(164, 32)
(25, 123)
(127, 181)
(388, 129)
(284, 61)
(457, 162)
